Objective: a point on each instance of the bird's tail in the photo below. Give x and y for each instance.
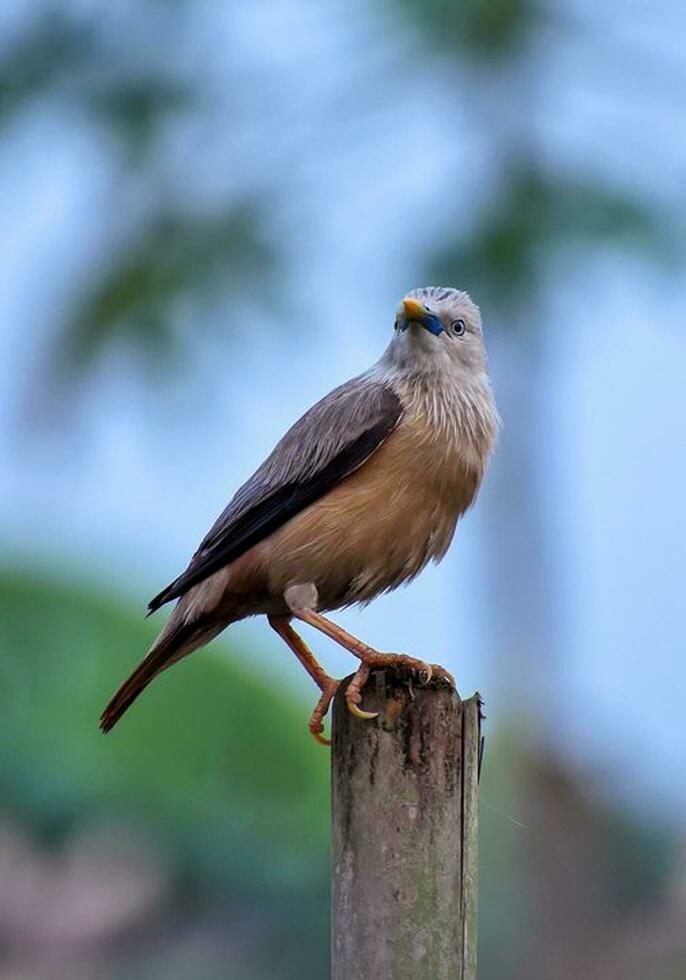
(174, 642)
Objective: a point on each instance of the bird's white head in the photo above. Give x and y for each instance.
(438, 329)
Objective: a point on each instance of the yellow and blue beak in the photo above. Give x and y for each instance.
(415, 312)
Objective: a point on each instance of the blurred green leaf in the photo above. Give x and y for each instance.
(507, 256)
(214, 757)
(174, 257)
(68, 56)
(214, 765)
(485, 29)
(53, 49)
(135, 109)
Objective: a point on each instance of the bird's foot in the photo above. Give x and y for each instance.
(372, 659)
(316, 725)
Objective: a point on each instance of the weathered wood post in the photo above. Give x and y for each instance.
(405, 822)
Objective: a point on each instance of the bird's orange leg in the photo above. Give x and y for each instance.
(327, 685)
(370, 658)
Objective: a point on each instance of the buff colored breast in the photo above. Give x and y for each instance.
(380, 526)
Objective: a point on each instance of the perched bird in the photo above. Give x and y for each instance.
(358, 496)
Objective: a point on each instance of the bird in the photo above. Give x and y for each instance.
(359, 495)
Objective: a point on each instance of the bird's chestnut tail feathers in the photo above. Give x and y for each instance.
(171, 645)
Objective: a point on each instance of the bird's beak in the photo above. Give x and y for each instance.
(414, 312)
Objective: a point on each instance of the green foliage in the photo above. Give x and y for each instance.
(46, 57)
(534, 218)
(213, 758)
(174, 257)
(70, 58)
(481, 29)
(129, 104)
(534, 215)
(134, 110)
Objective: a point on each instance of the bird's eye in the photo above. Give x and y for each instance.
(458, 327)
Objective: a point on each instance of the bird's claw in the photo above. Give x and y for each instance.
(330, 686)
(427, 672)
(360, 712)
(353, 694)
(318, 737)
(444, 675)
(437, 673)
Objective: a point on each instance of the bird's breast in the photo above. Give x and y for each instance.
(383, 523)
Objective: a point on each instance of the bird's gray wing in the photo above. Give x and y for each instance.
(328, 443)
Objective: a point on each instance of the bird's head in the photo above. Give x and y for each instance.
(438, 326)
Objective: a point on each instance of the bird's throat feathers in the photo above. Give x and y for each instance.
(455, 403)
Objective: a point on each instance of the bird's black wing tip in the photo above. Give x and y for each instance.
(158, 601)
(162, 598)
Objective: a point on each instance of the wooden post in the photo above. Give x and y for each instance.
(405, 820)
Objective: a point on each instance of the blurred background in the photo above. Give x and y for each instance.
(209, 213)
